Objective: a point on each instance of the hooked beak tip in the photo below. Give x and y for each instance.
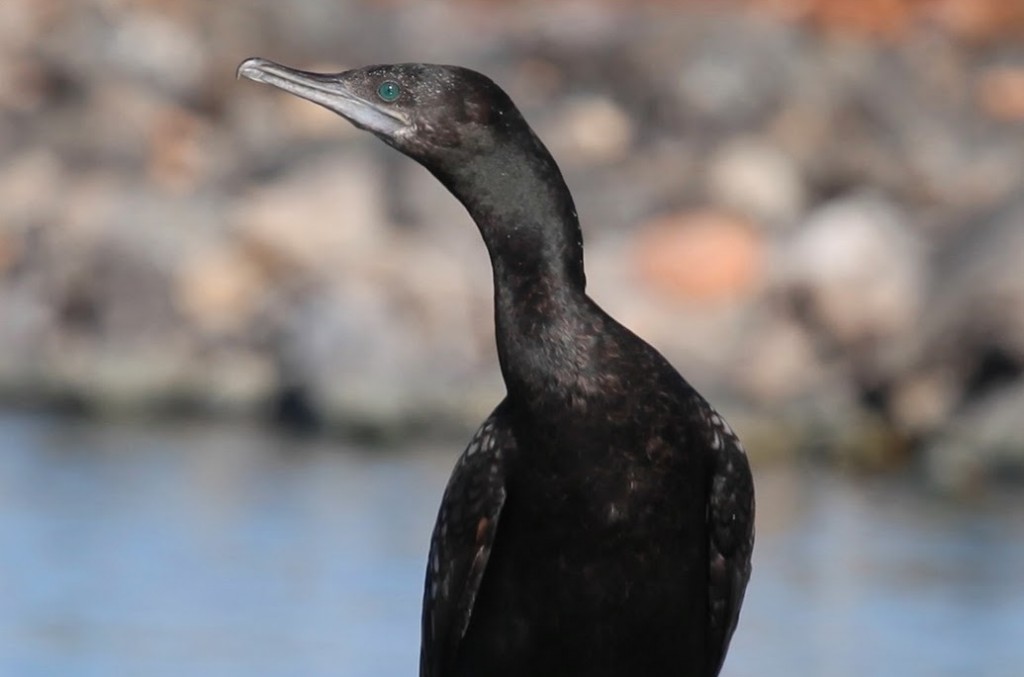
(251, 68)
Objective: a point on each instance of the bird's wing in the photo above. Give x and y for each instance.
(731, 533)
(462, 541)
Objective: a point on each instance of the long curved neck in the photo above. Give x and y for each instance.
(525, 213)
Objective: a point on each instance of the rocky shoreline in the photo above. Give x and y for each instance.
(823, 229)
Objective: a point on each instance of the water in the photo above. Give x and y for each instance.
(219, 550)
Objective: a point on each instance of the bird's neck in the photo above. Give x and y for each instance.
(544, 322)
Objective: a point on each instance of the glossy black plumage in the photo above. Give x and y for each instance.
(601, 520)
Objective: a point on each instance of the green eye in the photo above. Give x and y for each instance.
(389, 91)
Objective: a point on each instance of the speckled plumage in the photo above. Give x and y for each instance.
(600, 522)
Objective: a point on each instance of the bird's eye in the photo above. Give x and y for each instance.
(389, 90)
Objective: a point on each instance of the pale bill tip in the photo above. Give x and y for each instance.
(251, 68)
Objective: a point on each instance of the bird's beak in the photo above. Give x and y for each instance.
(330, 91)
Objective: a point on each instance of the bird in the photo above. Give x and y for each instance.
(601, 520)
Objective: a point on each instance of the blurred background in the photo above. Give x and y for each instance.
(242, 343)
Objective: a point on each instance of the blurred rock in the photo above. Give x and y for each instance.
(757, 180)
(975, 321)
(18, 22)
(326, 216)
(25, 85)
(155, 46)
(122, 296)
(922, 402)
(779, 363)
(893, 19)
(219, 290)
(983, 444)
(28, 319)
(1001, 93)
(882, 18)
(232, 382)
(735, 71)
(857, 270)
(179, 151)
(980, 19)
(591, 130)
(28, 183)
(700, 256)
(11, 250)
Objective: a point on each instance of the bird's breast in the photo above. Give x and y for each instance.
(603, 494)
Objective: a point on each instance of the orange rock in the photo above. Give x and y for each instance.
(967, 19)
(980, 19)
(1001, 93)
(219, 289)
(11, 251)
(177, 150)
(702, 256)
(875, 18)
(883, 18)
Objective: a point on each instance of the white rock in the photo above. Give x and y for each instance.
(592, 129)
(758, 180)
(861, 268)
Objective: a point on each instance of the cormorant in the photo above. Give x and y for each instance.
(600, 522)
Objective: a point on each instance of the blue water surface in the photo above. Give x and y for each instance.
(228, 550)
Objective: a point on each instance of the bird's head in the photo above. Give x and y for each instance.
(431, 113)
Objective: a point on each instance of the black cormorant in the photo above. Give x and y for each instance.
(600, 523)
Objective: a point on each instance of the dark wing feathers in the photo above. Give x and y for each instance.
(731, 533)
(461, 544)
(468, 519)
